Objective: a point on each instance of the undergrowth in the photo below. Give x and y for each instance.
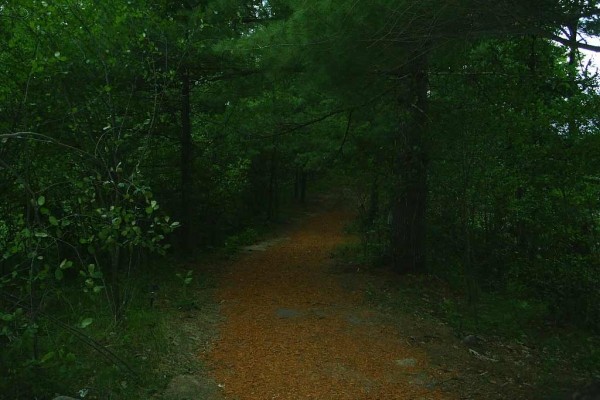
(506, 315)
(84, 353)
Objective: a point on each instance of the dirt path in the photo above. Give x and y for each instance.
(292, 332)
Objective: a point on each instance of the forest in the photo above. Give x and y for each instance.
(140, 138)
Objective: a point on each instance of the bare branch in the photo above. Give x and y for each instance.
(341, 149)
(301, 125)
(579, 45)
(43, 138)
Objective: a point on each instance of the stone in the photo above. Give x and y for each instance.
(472, 340)
(423, 380)
(192, 387)
(406, 362)
(287, 313)
(354, 320)
(590, 392)
(263, 246)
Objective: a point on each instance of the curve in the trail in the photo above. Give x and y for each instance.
(292, 332)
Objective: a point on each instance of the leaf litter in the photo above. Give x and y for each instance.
(291, 331)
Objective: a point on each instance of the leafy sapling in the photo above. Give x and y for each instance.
(186, 281)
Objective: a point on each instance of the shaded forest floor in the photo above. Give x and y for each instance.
(294, 323)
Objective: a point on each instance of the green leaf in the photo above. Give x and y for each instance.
(47, 357)
(41, 200)
(41, 234)
(97, 275)
(65, 264)
(58, 274)
(53, 221)
(7, 317)
(86, 322)
(98, 289)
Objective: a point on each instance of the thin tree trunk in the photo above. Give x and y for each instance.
(573, 28)
(303, 179)
(272, 205)
(408, 225)
(186, 163)
(297, 184)
(373, 201)
(115, 262)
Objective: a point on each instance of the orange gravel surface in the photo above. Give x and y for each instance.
(291, 331)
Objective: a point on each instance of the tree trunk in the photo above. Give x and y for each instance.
(573, 29)
(303, 179)
(186, 164)
(297, 184)
(272, 205)
(408, 225)
(115, 289)
(300, 185)
(373, 201)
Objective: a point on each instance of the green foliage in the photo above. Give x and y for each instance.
(497, 315)
(186, 300)
(97, 161)
(67, 363)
